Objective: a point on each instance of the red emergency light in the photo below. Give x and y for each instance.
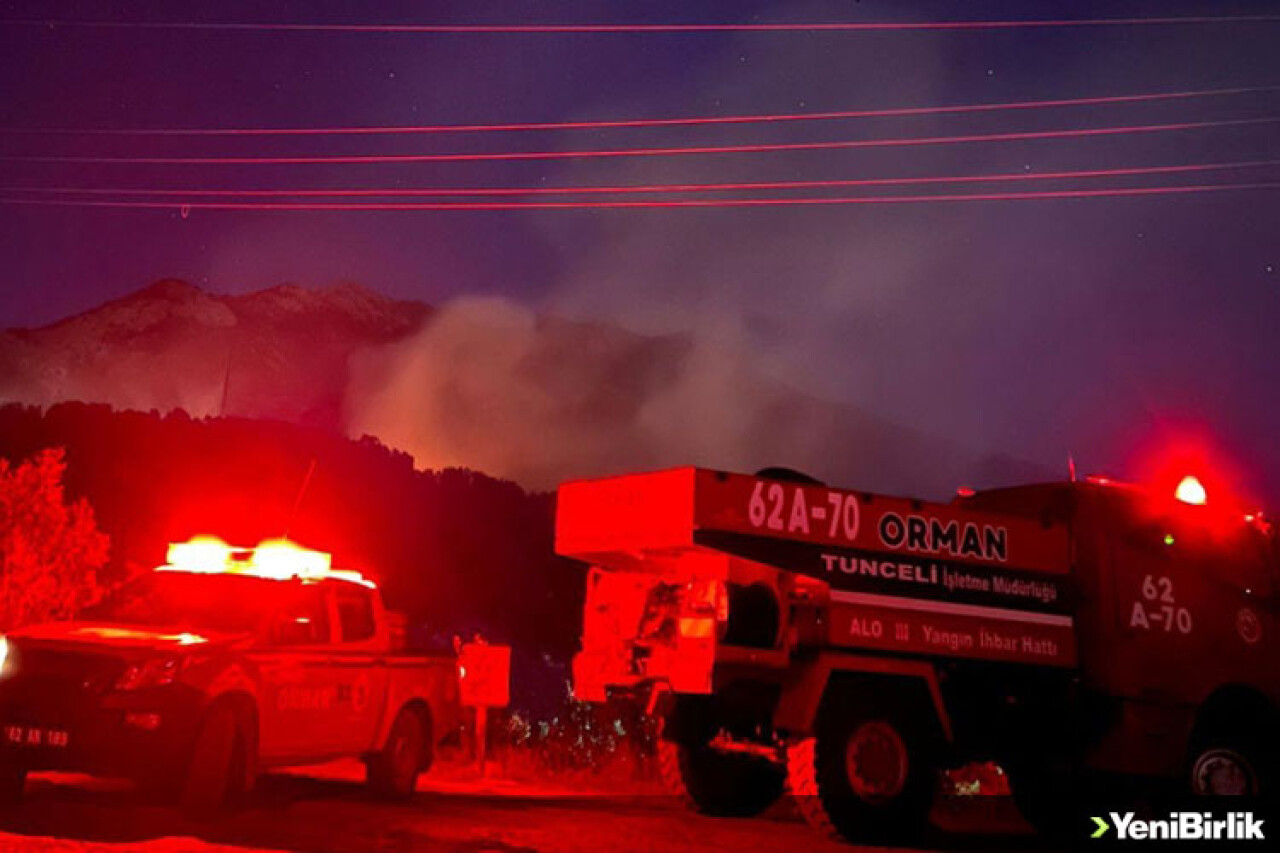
(276, 559)
(1222, 518)
(1191, 491)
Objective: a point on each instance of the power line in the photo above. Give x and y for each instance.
(640, 29)
(710, 203)
(634, 152)
(623, 189)
(650, 122)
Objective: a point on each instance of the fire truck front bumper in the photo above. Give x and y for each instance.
(686, 666)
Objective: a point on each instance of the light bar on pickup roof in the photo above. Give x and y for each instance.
(277, 559)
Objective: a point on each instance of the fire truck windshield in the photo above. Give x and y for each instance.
(182, 601)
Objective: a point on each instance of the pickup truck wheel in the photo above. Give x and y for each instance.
(12, 781)
(722, 784)
(215, 775)
(868, 776)
(393, 772)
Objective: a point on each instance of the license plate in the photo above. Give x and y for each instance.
(35, 736)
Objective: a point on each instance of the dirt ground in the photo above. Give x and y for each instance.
(328, 810)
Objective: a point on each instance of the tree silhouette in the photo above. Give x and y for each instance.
(51, 550)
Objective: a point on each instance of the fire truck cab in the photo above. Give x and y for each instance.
(848, 646)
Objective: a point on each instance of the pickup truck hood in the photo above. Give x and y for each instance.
(105, 636)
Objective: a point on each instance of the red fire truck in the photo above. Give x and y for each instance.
(222, 662)
(848, 646)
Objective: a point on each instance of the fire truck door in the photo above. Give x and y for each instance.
(1158, 612)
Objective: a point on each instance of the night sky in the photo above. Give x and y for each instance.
(1103, 327)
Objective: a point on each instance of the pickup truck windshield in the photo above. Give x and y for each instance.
(192, 602)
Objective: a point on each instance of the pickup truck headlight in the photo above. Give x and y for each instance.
(156, 672)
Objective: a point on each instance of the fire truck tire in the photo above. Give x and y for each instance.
(1230, 763)
(393, 771)
(216, 774)
(721, 784)
(12, 781)
(885, 797)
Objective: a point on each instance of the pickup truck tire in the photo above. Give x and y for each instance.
(215, 777)
(393, 771)
(717, 783)
(869, 774)
(12, 781)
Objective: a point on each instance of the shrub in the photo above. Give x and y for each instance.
(51, 550)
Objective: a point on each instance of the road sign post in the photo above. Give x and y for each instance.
(484, 676)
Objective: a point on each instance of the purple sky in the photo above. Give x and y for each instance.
(1033, 327)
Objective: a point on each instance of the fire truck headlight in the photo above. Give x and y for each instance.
(706, 610)
(6, 665)
(697, 627)
(709, 596)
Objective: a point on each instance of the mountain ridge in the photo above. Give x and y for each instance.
(530, 397)
(173, 345)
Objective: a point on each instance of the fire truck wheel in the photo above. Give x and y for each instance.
(12, 781)
(1228, 765)
(868, 776)
(722, 784)
(216, 776)
(393, 772)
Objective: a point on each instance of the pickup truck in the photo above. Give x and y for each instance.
(217, 665)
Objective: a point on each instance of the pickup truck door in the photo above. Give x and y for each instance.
(359, 668)
(297, 680)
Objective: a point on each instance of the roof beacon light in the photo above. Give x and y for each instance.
(1190, 491)
(202, 554)
(280, 558)
(277, 559)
